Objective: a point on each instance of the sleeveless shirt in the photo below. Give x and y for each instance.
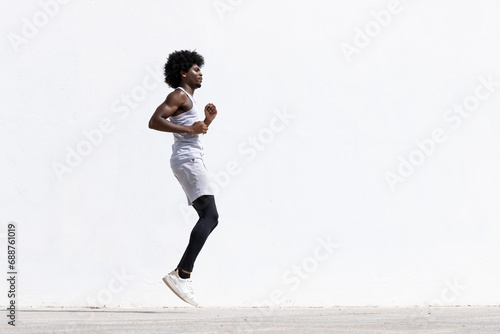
(186, 146)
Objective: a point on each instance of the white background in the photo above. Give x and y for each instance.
(105, 231)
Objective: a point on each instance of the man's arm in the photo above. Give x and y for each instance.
(159, 119)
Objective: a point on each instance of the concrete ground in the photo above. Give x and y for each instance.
(257, 320)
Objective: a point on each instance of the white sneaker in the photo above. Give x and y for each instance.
(181, 287)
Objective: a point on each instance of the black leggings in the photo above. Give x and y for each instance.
(205, 206)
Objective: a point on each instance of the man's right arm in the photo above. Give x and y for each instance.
(159, 119)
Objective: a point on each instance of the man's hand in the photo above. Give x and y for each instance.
(210, 113)
(198, 128)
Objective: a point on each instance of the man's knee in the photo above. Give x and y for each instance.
(214, 216)
(214, 219)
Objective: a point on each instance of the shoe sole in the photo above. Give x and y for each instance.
(171, 284)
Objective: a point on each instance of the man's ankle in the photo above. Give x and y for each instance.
(183, 274)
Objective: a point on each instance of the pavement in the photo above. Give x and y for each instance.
(179, 320)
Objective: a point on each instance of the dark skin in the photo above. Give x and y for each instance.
(177, 102)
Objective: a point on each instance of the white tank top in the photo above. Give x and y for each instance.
(186, 146)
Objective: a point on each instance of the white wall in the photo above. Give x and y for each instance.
(309, 218)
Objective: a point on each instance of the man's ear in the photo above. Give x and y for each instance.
(183, 73)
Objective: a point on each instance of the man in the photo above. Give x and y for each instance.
(183, 73)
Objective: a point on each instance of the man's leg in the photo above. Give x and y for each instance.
(207, 211)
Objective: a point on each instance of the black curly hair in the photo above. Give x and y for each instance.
(180, 60)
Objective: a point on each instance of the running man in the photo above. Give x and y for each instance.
(183, 73)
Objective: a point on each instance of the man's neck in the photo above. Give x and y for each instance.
(188, 89)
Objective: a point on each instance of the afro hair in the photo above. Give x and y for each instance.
(180, 60)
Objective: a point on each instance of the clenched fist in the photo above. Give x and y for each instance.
(199, 128)
(210, 112)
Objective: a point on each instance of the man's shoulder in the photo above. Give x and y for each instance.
(177, 95)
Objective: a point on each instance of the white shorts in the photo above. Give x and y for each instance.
(193, 177)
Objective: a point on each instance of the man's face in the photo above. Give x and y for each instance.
(194, 76)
